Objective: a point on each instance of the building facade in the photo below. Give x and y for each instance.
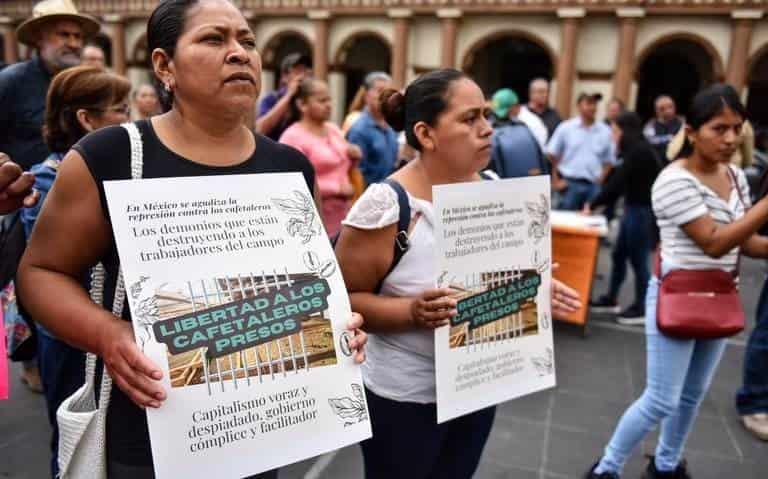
(629, 49)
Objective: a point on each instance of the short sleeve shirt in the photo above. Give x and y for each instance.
(583, 150)
(678, 198)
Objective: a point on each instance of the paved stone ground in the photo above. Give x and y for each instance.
(554, 434)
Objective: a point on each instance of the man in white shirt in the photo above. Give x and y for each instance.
(507, 100)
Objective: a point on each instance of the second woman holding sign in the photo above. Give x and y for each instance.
(443, 115)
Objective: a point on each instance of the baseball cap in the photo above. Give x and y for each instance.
(594, 97)
(294, 59)
(502, 101)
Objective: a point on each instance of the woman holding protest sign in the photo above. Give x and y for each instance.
(204, 57)
(443, 115)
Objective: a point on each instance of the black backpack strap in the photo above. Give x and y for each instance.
(402, 243)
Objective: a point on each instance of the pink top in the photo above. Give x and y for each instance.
(328, 154)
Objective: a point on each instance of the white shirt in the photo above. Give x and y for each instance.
(678, 198)
(534, 123)
(401, 366)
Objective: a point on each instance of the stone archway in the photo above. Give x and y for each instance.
(279, 46)
(361, 53)
(678, 65)
(509, 59)
(757, 78)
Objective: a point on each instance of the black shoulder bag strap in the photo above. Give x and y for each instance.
(402, 243)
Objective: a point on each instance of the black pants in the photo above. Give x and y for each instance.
(119, 471)
(408, 443)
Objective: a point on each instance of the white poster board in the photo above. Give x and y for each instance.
(494, 247)
(236, 295)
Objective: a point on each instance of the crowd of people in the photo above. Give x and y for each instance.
(678, 183)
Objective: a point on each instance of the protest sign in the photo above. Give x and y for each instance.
(494, 252)
(235, 293)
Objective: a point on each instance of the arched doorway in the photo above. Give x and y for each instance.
(360, 54)
(282, 45)
(757, 106)
(678, 66)
(509, 60)
(103, 41)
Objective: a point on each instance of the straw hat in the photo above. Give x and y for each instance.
(52, 10)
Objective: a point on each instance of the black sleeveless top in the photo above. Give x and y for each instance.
(107, 155)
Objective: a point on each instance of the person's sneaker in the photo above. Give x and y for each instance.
(603, 475)
(757, 424)
(652, 473)
(604, 304)
(632, 316)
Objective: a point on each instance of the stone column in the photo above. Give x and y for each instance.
(321, 20)
(116, 31)
(625, 56)
(449, 19)
(566, 65)
(400, 25)
(741, 40)
(10, 44)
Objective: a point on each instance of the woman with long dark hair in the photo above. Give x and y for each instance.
(702, 208)
(204, 57)
(633, 180)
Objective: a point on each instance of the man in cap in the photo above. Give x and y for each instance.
(56, 31)
(581, 154)
(518, 141)
(275, 108)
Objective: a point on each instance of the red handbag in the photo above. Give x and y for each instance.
(699, 304)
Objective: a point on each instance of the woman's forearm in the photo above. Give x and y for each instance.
(63, 307)
(383, 314)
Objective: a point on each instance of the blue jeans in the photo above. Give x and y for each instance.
(408, 443)
(752, 398)
(62, 372)
(577, 193)
(679, 374)
(634, 243)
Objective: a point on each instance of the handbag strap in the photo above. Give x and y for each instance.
(97, 281)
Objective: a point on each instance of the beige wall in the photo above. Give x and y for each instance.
(267, 29)
(717, 30)
(424, 49)
(597, 45)
(344, 27)
(475, 28)
(133, 31)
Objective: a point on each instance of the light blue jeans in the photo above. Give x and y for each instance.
(679, 373)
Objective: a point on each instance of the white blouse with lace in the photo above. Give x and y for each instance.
(401, 366)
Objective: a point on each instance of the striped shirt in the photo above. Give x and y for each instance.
(678, 198)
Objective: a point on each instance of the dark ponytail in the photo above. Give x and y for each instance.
(165, 26)
(706, 105)
(424, 100)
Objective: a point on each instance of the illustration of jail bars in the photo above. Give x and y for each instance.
(206, 293)
(506, 328)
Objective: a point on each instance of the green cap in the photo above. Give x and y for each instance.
(503, 100)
